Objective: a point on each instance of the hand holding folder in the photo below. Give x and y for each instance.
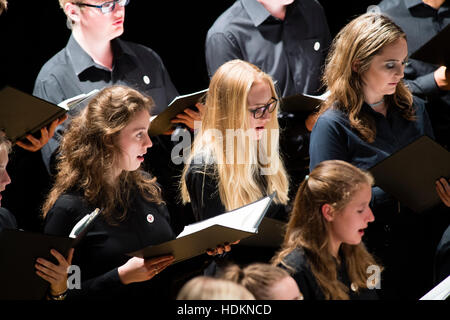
(19, 251)
(197, 238)
(163, 122)
(410, 174)
(23, 115)
(436, 50)
(302, 103)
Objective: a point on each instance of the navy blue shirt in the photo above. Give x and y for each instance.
(333, 138)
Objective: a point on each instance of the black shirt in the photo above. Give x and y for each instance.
(105, 246)
(202, 185)
(307, 282)
(292, 50)
(421, 22)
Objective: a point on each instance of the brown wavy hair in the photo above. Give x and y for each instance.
(359, 41)
(332, 182)
(90, 151)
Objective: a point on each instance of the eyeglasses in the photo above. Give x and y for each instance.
(261, 111)
(105, 7)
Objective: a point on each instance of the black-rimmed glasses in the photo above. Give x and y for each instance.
(105, 7)
(261, 111)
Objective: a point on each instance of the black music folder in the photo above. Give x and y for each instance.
(436, 50)
(410, 174)
(198, 237)
(270, 234)
(161, 123)
(19, 251)
(22, 113)
(301, 103)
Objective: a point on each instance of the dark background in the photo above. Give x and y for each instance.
(31, 32)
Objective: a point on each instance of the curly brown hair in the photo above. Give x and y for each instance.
(89, 152)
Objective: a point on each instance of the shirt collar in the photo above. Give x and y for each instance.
(412, 3)
(258, 14)
(81, 60)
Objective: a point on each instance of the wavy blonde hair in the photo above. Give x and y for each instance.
(227, 109)
(332, 182)
(209, 288)
(3, 5)
(357, 43)
(258, 278)
(90, 152)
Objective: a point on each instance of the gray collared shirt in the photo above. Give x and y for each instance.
(72, 72)
(292, 50)
(421, 22)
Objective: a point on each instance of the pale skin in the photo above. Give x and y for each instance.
(259, 95)
(285, 289)
(384, 73)
(277, 8)
(94, 31)
(348, 224)
(134, 141)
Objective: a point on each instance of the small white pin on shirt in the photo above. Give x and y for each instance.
(146, 79)
(317, 46)
(150, 218)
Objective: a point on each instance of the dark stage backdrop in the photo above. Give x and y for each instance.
(33, 31)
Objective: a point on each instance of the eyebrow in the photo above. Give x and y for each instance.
(139, 129)
(395, 60)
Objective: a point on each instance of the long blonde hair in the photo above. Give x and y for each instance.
(90, 151)
(358, 42)
(239, 182)
(332, 182)
(209, 288)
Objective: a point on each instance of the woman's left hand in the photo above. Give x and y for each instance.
(56, 275)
